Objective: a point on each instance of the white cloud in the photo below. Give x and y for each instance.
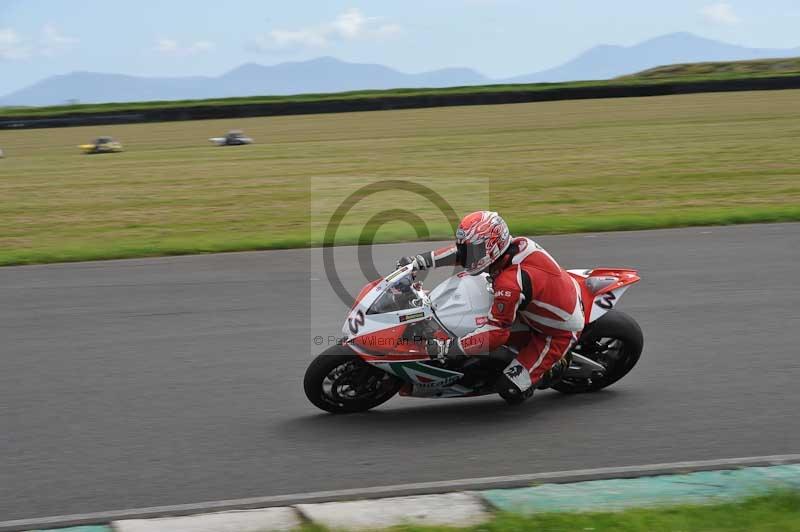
(202, 46)
(53, 42)
(12, 46)
(173, 47)
(350, 25)
(292, 38)
(166, 46)
(386, 30)
(50, 43)
(720, 13)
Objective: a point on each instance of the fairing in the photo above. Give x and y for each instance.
(393, 321)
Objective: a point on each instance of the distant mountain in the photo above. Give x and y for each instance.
(324, 74)
(607, 61)
(327, 74)
(93, 87)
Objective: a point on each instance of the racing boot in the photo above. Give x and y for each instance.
(554, 374)
(514, 384)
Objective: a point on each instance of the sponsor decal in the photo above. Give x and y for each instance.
(473, 340)
(354, 323)
(606, 301)
(437, 384)
(413, 316)
(481, 320)
(393, 275)
(423, 375)
(514, 371)
(503, 293)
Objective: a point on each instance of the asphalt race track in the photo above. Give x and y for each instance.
(177, 380)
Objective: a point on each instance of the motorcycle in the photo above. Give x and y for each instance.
(394, 321)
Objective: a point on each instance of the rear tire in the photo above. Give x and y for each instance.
(340, 382)
(616, 342)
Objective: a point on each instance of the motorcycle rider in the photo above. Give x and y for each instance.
(529, 286)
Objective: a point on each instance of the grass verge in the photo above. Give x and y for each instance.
(225, 243)
(777, 512)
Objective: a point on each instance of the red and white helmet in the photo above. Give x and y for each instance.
(481, 239)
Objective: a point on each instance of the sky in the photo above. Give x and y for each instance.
(500, 38)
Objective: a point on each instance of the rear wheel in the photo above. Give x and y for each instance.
(339, 381)
(616, 342)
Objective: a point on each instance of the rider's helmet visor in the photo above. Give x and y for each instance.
(469, 255)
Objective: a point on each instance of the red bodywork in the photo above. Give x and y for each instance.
(389, 343)
(625, 277)
(386, 344)
(364, 291)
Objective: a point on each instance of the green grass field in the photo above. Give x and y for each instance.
(779, 512)
(547, 167)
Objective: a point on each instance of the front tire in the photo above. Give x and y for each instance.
(616, 342)
(340, 382)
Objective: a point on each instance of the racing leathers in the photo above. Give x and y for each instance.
(534, 290)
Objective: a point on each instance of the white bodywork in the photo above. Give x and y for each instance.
(462, 303)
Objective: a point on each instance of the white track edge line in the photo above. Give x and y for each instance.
(396, 490)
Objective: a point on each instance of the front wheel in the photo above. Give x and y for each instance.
(616, 342)
(340, 382)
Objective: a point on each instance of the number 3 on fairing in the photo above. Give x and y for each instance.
(606, 301)
(354, 324)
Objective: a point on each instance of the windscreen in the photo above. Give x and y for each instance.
(398, 296)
